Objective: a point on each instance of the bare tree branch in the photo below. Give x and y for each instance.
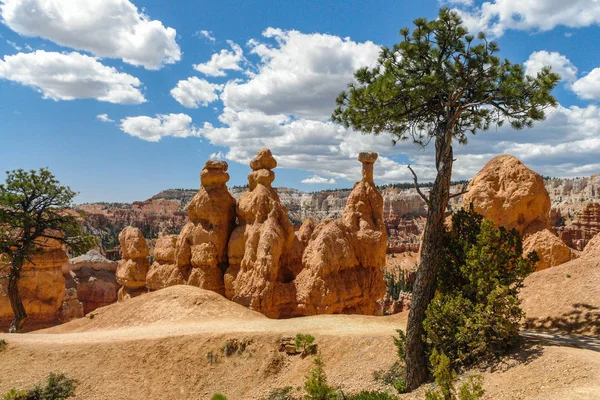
(425, 198)
(452, 196)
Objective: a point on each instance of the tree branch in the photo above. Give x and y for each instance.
(417, 186)
(452, 196)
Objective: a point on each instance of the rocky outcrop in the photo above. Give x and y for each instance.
(511, 195)
(41, 285)
(93, 277)
(583, 229)
(550, 249)
(164, 271)
(71, 307)
(343, 260)
(132, 269)
(257, 247)
(201, 250)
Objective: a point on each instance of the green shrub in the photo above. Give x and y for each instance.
(281, 394)
(235, 347)
(445, 379)
(218, 396)
(397, 283)
(364, 395)
(316, 386)
(395, 375)
(475, 313)
(57, 387)
(304, 344)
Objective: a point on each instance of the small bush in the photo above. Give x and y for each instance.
(364, 395)
(316, 386)
(282, 394)
(395, 375)
(235, 347)
(2, 345)
(57, 387)
(445, 379)
(304, 344)
(218, 396)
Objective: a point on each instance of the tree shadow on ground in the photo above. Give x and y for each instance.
(583, 319)
(523, 354)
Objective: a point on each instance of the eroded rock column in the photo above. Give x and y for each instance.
(134, 265)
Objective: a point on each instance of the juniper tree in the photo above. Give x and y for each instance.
(33, 210)
(439, 84)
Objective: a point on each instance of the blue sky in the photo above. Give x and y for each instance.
(124, 98)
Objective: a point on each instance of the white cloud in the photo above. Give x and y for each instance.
(14, 45)
(316, 179)
(107, 28)
(208, 35)
(559, 63)
(153, 129)
(195, 92)
(71, 76)
(588, 87)
(497, 16)
(104, 118)
(223, 61)
(301, 75)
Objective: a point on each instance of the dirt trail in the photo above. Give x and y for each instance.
(168, 345)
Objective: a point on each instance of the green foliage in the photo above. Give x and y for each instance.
(304, 343)
(370, 395)
(316, 386)
(445, 379)
(395, 375)
(400, 343)
(218, 396)
(397, 283)
(57, 387)
(284, 393)
(235, 347)
(440, 80)
(476, 312)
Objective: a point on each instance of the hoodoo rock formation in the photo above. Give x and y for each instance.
(343, 260)
(132, 269)
(201, 250)
(511, 195)
(41, 285)
(256, 276)
(164, 271)
(583, 229)
(93, 278)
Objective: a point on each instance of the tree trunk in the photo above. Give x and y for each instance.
(15, 298)
(431, 250)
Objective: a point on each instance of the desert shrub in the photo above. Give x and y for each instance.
(57, 387)
(284, 393)
(235, 347)
(445, 379)
(304, 343)
(475, 313)
(218, 396)
(398, 282)
(368, 395)
(316, 385)
(2, 345)
(395, 375)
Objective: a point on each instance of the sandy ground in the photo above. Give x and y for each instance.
(157, 346)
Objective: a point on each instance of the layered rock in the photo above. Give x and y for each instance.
(41, 285)
(550, 249)
(164, 271)
(93, 277)
(583, 229)
(132, 269)
(343, 260)
(201, 249)
(256, 276)
(511, 195)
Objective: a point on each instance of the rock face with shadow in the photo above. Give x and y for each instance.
(587, 225)
(164, 272)
(201, 249)
(132, 269)
(256, 276)
(343, 260)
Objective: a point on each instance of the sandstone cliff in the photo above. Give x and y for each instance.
(132, 269)
(586, 225)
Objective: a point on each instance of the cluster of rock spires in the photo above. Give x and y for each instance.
(248, 251)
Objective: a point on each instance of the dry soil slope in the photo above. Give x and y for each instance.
(156, 346)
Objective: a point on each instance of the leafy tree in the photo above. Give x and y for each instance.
(33, 211)
(476, 311)
(316, 385)
(438, 84)
(445, 379)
